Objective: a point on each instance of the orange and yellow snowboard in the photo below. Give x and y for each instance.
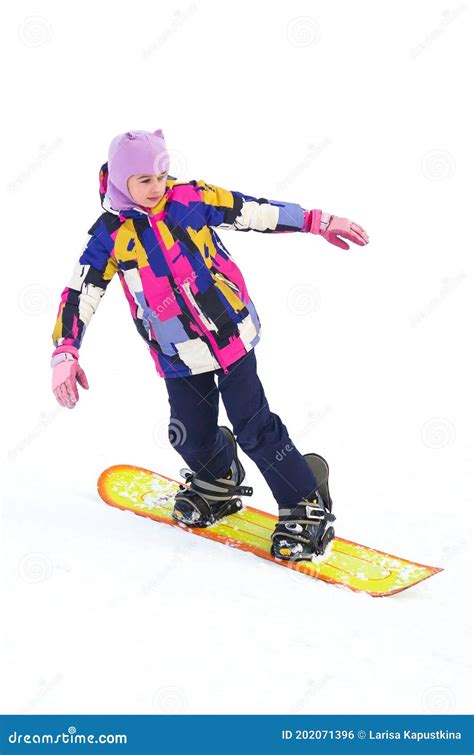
(345, 563)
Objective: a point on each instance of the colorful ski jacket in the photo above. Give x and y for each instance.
(187, 297)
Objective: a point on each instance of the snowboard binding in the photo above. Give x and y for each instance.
(302, 531)
(200, 503)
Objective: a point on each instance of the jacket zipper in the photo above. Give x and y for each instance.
(191, 310)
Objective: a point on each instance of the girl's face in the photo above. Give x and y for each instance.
(147, 190)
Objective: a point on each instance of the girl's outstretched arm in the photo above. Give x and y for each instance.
(232, 210)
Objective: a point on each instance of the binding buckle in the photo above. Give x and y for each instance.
(313, 512)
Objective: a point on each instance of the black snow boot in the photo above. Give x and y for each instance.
(200, 503)
(302, 531)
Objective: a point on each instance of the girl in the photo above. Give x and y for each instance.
(191, 306)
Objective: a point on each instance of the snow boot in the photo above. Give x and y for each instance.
(302, 531)
(200, 503)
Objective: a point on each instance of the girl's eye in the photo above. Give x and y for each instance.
(147, 180)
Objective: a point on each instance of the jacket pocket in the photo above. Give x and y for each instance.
(228, 282)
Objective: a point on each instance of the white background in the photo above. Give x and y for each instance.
(360, 109)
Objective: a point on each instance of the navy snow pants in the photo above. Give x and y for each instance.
(194, 433)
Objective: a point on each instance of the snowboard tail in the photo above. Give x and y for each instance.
(347, 564)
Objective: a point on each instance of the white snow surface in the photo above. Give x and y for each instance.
(364, 355)
(113, 613)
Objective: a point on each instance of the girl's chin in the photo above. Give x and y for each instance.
(149, 203)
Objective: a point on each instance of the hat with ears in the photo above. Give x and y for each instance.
(132, 153)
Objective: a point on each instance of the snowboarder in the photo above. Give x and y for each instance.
(190, 304)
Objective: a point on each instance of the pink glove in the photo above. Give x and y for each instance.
(66, 374)
(331, 227)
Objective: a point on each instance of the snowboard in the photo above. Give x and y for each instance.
(344, 563)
